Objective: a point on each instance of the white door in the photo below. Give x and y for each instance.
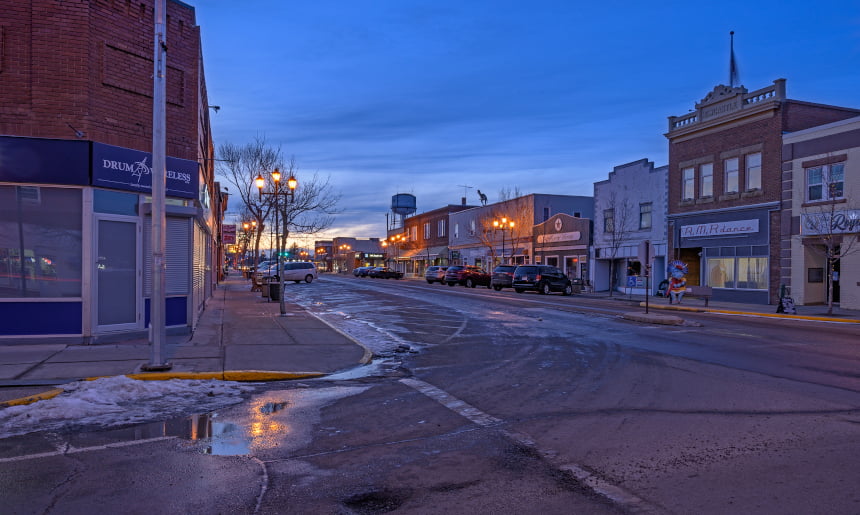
(116, 275)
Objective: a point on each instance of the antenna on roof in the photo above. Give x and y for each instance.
(733, 65)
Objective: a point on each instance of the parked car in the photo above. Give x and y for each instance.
(384, 272)
(362, 271)
(503, 277)
(435, 274)
(468, 276)
(541, 278)
(296, 271)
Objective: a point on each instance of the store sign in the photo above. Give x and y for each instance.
(719, 229)
(555, 238)
(127, 169)
(369, 255)
(228, 234)
(840, 222)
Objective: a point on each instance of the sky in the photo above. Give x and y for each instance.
(427, 97)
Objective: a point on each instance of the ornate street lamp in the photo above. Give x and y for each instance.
(503, 225)
(292, 183)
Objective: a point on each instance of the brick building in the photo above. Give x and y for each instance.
(725, 187)
(75, 179)
(422, 240)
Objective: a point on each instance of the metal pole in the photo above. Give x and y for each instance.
(157, 328)
(280, 275)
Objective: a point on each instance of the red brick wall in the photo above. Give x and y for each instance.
(88, 64)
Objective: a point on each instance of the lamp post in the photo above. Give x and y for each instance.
(344, 250)
(503, 225)
(292, 183)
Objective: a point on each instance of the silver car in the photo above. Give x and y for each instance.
(435, 274)
(296, 271)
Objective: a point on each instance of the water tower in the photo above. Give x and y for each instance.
(402, 204)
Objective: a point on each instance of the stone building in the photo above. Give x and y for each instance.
(725, 187)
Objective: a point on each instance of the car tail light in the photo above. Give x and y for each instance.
(537, 277)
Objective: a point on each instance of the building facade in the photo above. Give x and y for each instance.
(421, 241)
(476, 240)
(75, 177)
(630, 207)
(821, 191)
(564, 241)
(725, 187)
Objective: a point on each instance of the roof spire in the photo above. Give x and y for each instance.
(733, 65)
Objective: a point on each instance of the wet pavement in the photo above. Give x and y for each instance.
(240, 336)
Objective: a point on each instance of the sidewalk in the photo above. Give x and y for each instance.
(240, 336)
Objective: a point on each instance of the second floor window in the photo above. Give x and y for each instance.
(427, 230)
(731, 181)
(441, 228)
(825, 182)
(645, 216)
(456, 231)
(608, 220)
(754, 171)
(707, 180)
(414, 233)
(545, 214)
(688, 183)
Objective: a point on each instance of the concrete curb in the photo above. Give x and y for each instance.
(30, 399)
(653, 318)
(368, 354)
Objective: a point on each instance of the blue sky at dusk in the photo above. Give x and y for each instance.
(420, 97)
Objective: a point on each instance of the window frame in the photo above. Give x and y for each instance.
(750, 170)
(643, 212)
(709, 191)
(426, 230)
(609, 220)
(440, 228)
(731, 175)
(688, 183)
(825, 183)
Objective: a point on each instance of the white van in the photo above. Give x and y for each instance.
(296, 271)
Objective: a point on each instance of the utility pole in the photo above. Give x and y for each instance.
(157, 318)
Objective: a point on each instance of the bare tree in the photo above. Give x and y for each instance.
(240, 165)
(618, 218)
(832, 228)
(309, 210)
(312, 207)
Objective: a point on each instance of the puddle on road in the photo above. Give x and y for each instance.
(280, 419)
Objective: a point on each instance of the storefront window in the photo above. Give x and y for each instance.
(40, 242)
(721, 273)
(743, 273)
(752, 273)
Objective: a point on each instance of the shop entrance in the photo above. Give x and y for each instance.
(116, 274)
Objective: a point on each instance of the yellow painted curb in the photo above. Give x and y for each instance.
(50, 394)
(263, 375)
(781, 315)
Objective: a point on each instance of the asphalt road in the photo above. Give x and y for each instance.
(494, 402)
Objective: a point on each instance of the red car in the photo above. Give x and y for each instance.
(468, 276)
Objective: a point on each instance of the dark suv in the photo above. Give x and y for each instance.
(468, 276)
(503, 277)
(542, 278)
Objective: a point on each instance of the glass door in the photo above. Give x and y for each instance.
(116, 275)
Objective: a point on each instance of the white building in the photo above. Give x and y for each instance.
(821, 174)
(629, 207)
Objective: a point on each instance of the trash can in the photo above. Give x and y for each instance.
(274, 290)
(577, 285)
(264, 290)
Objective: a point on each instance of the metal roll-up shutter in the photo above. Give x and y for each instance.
(177, 253)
